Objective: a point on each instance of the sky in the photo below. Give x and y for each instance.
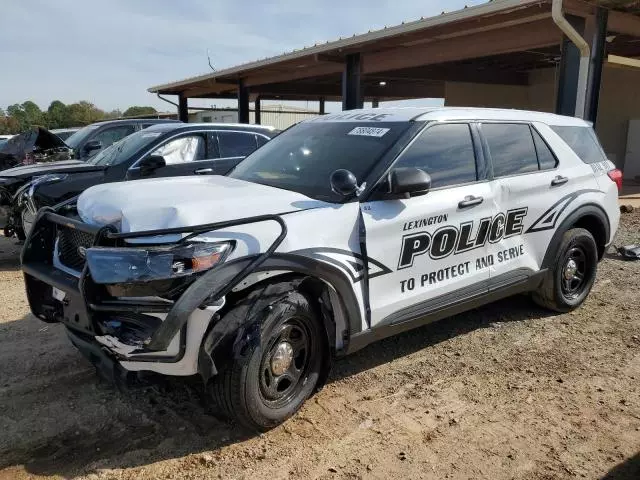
(110, 52)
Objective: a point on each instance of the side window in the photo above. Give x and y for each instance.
(511, 147)
(236, 144)
(546, 158)
(182, 150)
(445, 152)
(113, 135)
(583, 142)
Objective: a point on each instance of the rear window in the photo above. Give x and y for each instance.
(583, 142)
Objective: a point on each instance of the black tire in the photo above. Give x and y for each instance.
(563, 289)
(246, 389)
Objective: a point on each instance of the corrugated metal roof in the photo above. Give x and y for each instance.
(493, 6)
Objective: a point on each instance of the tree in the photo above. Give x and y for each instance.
(33, 114)
(19, 117)
(136, 110)
(57, 116)
(83, 113)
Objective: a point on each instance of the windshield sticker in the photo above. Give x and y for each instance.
(369, 131)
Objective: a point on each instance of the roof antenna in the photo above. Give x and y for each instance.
(209, 60)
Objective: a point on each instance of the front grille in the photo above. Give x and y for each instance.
(69, 242)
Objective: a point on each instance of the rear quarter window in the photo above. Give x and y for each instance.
(583, 142)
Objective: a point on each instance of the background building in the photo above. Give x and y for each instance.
(278, 116)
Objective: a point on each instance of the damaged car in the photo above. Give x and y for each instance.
(342, 230)
(161, 150)
(17, 182)
(36, 145)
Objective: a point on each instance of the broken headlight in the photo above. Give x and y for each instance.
(144, 264)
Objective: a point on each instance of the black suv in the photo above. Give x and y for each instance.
(89, 140)
(166, 150)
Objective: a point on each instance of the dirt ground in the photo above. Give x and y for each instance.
(508, 391)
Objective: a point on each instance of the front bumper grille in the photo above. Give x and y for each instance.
(72, 244)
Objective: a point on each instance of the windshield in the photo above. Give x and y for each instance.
(77, 138)
(124, 149)
(303, 158)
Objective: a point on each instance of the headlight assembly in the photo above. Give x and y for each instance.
(144, 264)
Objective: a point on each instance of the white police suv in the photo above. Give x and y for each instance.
(342, 230)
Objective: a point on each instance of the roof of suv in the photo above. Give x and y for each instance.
(136, 120)
(405, 114)
(212, 126)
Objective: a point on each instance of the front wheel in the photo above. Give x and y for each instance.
(271, 381)
(573, 273)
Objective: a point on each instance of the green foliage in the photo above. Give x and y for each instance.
(57, 115)
(136, 110)
(20, 117)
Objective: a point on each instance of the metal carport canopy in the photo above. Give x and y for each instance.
(414, 59)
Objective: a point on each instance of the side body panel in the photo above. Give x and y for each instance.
(428, 244)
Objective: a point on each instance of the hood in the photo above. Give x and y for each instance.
(65, 166)
(184, 201)
(35, 145)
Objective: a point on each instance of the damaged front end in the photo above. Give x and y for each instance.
(129, 302)
(18, 207)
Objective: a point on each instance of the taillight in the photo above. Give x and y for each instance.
(616, 176)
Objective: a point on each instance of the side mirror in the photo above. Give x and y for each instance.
(92, 145)
(344, 183)
(408, 181)
(151, 163)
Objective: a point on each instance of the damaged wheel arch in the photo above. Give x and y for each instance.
(327, 286)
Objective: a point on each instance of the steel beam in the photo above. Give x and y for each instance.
(243, 103)
(321, 107)
(569, 70)
(352, 82)
(183, 108)
(257, 110)
(598, 47)
(516, 38)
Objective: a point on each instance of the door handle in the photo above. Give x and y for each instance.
(203, 171)
(470, 201)
(559, 180)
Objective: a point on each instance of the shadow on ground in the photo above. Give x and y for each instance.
(627, 470)
(10, 250)
(97, 426)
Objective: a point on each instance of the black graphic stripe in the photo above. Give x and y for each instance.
(549, 219)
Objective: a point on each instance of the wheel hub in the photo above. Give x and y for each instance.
(570, 269)
(282, 358)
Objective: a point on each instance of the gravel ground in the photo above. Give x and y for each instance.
(508, 391)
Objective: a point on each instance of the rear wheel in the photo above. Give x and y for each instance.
(271, 380)
(569, 281)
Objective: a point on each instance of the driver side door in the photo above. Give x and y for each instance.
(426, 252)
(183, 155)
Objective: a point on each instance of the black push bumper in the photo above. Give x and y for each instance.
(84, 302)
